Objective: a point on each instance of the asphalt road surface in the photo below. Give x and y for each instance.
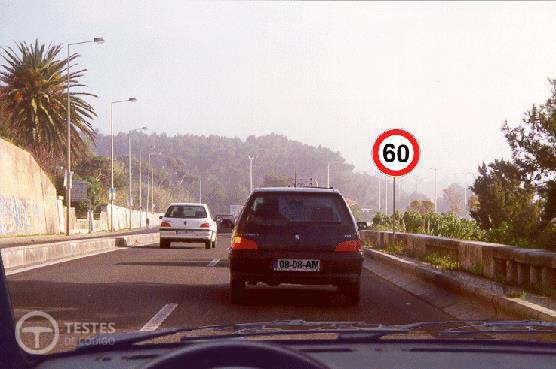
(187, 286)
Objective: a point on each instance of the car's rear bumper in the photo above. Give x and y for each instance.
(257, 266)
(187, 235)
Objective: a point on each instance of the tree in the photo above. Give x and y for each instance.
(33, 96)
(421, 206)
(533, 145)
(96, 170)
(275, 180)
(452, 197)
(505, 199)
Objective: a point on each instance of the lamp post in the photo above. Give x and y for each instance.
(250, 176)
(130, 201)
(112, 190)
(150, 188)
(97, 40)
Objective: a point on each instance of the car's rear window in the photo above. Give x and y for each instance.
(285, 208)
(186, 211)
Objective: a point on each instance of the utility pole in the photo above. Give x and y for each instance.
(112, 189)
(328, 176)
(394, 209)
(379, 194)
(130, 201)
(68, 173)
(386, 197)
(250, 173)
(140, 191)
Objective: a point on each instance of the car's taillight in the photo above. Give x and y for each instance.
(242, 243)
(349, 246)
(165, 224)
(205, 225)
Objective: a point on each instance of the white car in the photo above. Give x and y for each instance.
(187, 222)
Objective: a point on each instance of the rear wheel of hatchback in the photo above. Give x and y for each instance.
(351, 292)
(237, 290)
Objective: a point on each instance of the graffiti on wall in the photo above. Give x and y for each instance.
(15, 215)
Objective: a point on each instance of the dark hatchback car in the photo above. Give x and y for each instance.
(296, 235)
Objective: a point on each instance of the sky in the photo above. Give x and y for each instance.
(330, 74)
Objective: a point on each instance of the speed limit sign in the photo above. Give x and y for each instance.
(396, 152)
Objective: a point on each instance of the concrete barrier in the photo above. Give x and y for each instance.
(20, 258)
(515, 266)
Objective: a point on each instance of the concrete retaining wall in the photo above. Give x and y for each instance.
(121, 220)
(515, 266)
(20, 257)
(28, 202)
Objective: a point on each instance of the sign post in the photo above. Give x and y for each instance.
(395, 152)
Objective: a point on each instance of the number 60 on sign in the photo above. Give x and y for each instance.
(396, 152)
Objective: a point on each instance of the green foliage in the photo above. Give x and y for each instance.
(506, 207)
(275, 180)
(397, 249)
(357, 212)
(96, 170)
(445, 262)
(34, 101)
(421, 206)
(444, 225)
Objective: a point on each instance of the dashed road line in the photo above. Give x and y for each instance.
(159, 318)
(213, 262)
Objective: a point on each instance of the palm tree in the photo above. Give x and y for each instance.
(33, 97)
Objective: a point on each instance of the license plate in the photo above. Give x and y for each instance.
(181, 232)
(296, 265)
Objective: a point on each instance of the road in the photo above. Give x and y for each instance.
(189, 284)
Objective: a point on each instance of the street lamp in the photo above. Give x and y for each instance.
(130, 204)
(112, 190)
(152, 181)
(97, 40)
(250, 175)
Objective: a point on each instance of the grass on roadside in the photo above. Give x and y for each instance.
(444, 262)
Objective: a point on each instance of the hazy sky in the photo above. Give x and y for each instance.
(335, 74)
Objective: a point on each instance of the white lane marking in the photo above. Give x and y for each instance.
(159, 318)
(213, 262)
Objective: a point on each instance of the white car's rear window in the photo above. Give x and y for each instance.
(186, 211)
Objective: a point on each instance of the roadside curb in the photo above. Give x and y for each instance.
(490, 292)
(22, 258)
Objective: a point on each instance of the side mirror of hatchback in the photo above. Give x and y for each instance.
(160, 217)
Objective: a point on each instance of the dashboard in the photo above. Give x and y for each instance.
(406, 354)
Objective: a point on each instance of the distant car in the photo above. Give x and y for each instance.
(225, 223)
(296, 235)
(187, 222)
(362, 225)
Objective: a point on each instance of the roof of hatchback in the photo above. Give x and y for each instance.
(297, 189)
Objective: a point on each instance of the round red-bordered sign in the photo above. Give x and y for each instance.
(392, 167)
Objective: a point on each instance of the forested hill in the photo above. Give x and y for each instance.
(223, 165)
